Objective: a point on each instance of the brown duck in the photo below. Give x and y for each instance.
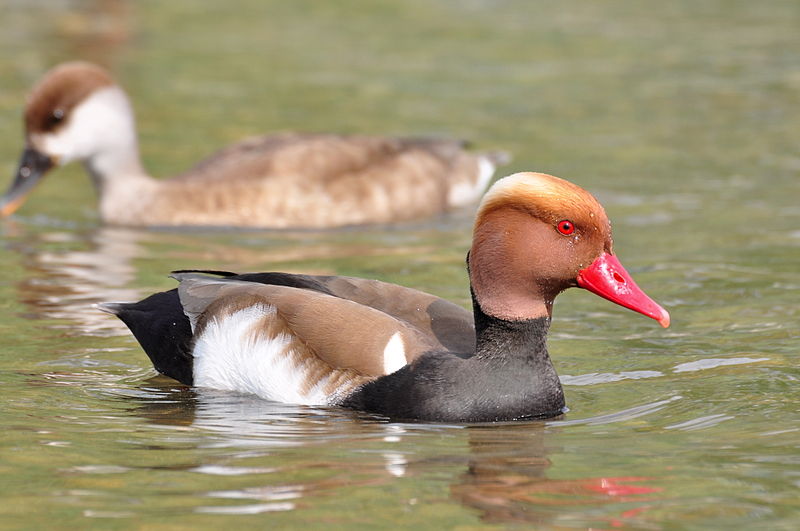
(77, 112)
(395, 351)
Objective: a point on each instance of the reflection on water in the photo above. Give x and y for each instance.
(506, 480)
(69, 271)
(503, 468)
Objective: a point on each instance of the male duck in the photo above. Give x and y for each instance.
(77, 112)
(395, 351)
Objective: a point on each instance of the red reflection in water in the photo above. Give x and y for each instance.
(618, 487)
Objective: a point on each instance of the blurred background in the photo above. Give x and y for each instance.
(681, 117)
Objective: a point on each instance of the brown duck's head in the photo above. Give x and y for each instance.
(536, 235)
(74, 112)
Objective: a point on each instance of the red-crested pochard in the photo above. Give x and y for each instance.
(395, 351)
(77, 112)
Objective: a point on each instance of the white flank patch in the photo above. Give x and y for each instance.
(394, 354)
(465, 193)
(228, 357)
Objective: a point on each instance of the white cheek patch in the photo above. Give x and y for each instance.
(230, 357)
(394, 354)
(104, 120)
(465, 193)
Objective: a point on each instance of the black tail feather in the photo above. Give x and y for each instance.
(159, 324)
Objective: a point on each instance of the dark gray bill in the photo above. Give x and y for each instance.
(32, 166)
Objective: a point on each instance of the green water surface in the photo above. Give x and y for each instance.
(680, 116)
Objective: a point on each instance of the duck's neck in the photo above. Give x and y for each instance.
(497, 338)
(111, 167)
(513, 355)
(124, 189)
(112, 156)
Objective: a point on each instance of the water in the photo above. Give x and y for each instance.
(678, 116)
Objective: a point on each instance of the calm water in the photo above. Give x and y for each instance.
(681, 117)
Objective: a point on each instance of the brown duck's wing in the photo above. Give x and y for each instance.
(321, 156)
(248, 159)
(340, 332)
(446, 324)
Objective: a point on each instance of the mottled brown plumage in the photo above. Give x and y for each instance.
(285, 180)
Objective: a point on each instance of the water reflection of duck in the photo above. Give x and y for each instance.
(502, 477)
(67, 271)
(77, 112)
(506, 481)
(392, 350)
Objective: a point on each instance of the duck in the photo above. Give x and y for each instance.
(77, 112)
(395, 351)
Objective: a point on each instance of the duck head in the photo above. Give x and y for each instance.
(75, 112)
(536, 235)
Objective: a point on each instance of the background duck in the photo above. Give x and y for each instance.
(395, 351)
(77, 112)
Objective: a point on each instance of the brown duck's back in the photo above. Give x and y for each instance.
(314, 181)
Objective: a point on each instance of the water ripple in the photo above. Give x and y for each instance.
(620, 416)
(607, 377)
(247, 509)
(712, 363)
(699, 423)
(220, 470)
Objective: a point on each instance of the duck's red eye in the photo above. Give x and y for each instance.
(566, 227)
